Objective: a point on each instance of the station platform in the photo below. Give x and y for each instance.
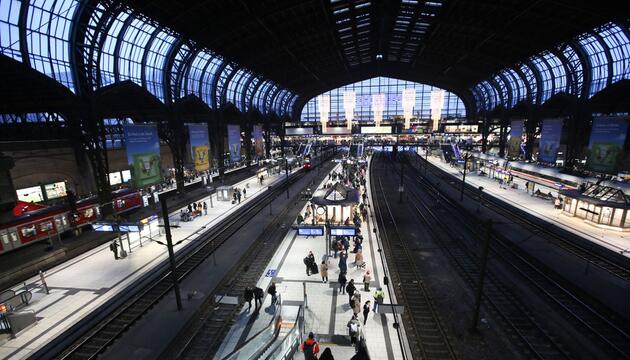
(327, 311)
(82, 284)
(616, 241)
(24, 262)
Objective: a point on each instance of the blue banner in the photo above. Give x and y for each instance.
(608, 136)
(199, 146)
(550, 140)
(516, 134)
(234, 142)
(143, 154)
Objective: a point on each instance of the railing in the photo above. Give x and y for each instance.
(251, 349)
(289, 345)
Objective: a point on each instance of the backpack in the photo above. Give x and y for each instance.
(354, 328)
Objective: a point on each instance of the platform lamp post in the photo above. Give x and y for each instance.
(171, 254)
(461, 193)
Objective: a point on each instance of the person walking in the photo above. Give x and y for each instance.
(323, 270)
(261, 179)
(238, 196)
(350, 288)
(379, 295)
(366, 311)
(205, 208)
(310, 347)
(353, 329)
(356, 303)
(343, 266)
(272, 291)
(342, 283)
(327, 355)
(258, 295)
(114, 248)
(366, 281)
(248, 296)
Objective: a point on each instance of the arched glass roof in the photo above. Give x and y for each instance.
(606, 59)
(118, 44)
(392, 88)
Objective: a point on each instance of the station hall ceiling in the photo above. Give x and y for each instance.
(317, 45)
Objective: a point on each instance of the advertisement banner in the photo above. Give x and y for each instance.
(550, 140)
(199, 146)
(259, 144)
(606, 145)
(143, 153)
(234, 142)
(516, 134)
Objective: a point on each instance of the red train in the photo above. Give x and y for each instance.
(41, 224)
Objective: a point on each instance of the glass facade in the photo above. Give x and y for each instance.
(392, 88)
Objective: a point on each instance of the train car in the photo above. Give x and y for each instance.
(306, 164)
(42, 224)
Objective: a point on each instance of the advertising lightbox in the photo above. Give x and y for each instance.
(55, 190)
(143, 153)
(30, 194)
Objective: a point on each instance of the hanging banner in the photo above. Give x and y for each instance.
(549, 140)
(259, 144)
(323, 105)
(143, 154)
(378, 106)
(606, 145)
(349, 103)
(199, 146)
(437, 104)
(516, 134)
(234, 142)
(408, 102)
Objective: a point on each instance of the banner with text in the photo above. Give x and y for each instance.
(606, 145)
(143, 154)
(234, 142)
(199, 146)
(516, 134)
(259, 144)
(550, 140)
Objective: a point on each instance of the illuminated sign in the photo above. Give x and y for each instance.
(311, 231)
(343, 231)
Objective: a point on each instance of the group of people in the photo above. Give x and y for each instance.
(238, 194)
(257, 295)
(193, 210)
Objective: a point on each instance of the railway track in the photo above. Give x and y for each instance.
(123, 317)
(202, 339)
(427, 338)
(611, 338)
(586, 253)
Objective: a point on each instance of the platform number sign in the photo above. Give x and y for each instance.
(271, 273)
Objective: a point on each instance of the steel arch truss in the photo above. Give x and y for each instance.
(581, 67)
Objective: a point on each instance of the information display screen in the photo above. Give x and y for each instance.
(31, 194)
(55, 190)
(126, 175)
(105, 227)
(129, 228)
(311, 231)
(343, 231)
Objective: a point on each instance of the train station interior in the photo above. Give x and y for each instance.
(321, 179)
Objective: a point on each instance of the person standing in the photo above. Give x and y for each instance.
(366, 311)
(114, 248)
(356, 303)
(379, 295)
(366, 281)
(249, 295)
(238, 195)
(310, 347)
(342, 283)
(309, 261)
(244, 193)
(350, 288)
(205, 208)
(272, 291)
(343, 266)
(323, 269)
(258, 295)
(353, 329)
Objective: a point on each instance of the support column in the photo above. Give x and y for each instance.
(485, 132)
(247, 129)
(530, 131)
(93, 138)
(502, 136)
